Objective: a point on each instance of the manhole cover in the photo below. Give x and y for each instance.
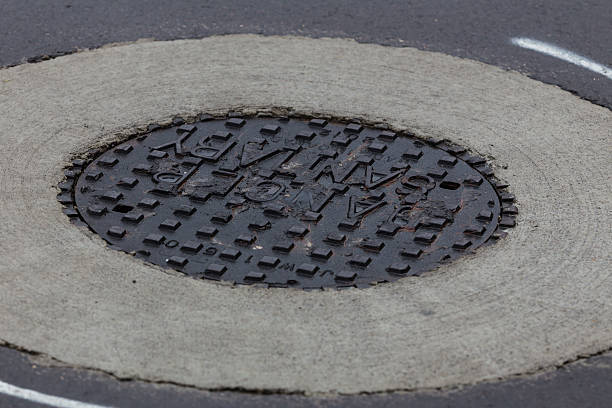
(288, 202)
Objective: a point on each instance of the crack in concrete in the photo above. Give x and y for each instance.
(51, 362)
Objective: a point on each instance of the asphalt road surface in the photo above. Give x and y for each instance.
(479, 30)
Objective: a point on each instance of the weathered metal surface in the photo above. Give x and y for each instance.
(288, 202)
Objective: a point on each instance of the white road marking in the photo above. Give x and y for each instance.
(44, 399)
(563, 54)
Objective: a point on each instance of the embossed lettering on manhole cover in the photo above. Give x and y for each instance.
(288, 202)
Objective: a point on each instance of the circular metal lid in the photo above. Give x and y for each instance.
(289, 202)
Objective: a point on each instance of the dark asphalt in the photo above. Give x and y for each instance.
(478, 29)
(581, 384)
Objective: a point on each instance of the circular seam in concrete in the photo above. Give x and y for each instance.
(188, 226)
(535, 299)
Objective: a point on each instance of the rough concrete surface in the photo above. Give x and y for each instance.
(536, 299)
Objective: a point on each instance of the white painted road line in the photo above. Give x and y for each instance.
(563, 54)
(45, 399)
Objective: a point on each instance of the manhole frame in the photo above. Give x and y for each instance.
(507, 219)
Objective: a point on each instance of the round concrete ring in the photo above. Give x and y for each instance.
(535, 299)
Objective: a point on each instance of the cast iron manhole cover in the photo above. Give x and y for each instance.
(288, 202)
